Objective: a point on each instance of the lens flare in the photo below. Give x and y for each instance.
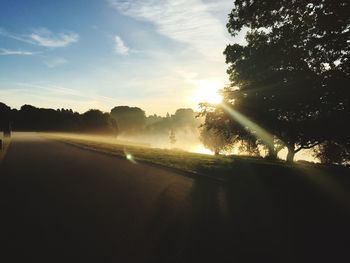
(130, 158)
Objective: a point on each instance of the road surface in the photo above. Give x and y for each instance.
(60, 203)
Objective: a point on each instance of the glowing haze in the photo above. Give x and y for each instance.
(158, 55)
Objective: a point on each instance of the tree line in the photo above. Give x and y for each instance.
(290, 82)
(120, 120)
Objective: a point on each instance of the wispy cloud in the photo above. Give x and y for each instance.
(22, 38)
(120, 47)
(185, 21)
(7, 52)
(46, 38)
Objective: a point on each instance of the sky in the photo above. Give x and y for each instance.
(159, 55)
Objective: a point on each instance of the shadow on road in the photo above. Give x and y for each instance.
(275, 217)
(51, 211)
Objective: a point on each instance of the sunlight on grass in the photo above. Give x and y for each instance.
(218, 167)
(201, 149)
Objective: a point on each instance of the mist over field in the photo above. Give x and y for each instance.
(185, 140)
(182, 130)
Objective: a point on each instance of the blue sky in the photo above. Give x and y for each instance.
(83, 54)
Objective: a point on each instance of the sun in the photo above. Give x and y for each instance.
(207, 91)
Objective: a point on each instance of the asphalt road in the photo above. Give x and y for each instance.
(60, 203)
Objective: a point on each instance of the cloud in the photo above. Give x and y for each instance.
(185, 21)
(7, 52)
(22, 38)
(120, 47)
(55, 62)
(46, 38)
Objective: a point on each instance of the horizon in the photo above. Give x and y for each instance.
(100, 54)
(107, 111)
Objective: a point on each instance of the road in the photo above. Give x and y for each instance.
(60, 203)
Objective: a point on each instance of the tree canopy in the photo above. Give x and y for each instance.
(122, 119)
(292, 75)
(129, 119)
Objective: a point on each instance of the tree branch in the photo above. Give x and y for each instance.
(304, 147)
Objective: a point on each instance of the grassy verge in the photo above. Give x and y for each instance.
(219, 167)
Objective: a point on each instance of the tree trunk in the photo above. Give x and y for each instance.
(271, 151)
(271, 154)
(217, 152)
(290, 155)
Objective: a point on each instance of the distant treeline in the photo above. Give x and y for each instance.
(120, 120)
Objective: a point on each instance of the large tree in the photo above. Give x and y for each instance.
(129, 119)
(5, 112)
(330, 152)
(215, 140)
(292, 76)
(96, 121)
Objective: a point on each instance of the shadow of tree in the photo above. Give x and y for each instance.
(270, 213)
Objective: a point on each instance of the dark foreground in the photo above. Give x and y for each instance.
(64, 204)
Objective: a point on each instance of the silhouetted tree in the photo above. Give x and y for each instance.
(125, 119)
(332, 153)
(5, 118)
(113, 125)
(219, 123)
(30, 118)
(96, 120)
(184, 118)
(129, 119)
(172, 137)
(152, 119)
(281, 78)
(216, 140)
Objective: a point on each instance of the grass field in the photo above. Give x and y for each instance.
(225, 168)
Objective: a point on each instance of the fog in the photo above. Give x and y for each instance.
(130, 126)
(186, 140)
